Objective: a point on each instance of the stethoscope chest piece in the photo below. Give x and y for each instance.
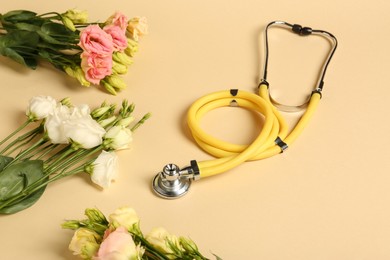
(172, 183)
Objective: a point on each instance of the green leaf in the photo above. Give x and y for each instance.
(19, 15)
(56, 33)
(4, 160)
(56, 29)
(20, 46)
(15, 178)
(10, 53)
(27, 27)
(47, 38)
(19, 39)
(24, 203)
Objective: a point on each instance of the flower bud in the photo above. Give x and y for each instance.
(108, 87)
(108, 121)
(98, 112)
(77, 16)
(188, 245)
(80, 76)
(122, 58)
(68, 23)
(96, 216)
(116, 82)
(69, 71)
(77, 73)
(132, 47)
(126, 121)
(66, 102)
(119, 68)
(71, 224)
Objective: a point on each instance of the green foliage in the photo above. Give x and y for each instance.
(20, 46)
(29, 37)
(4, 160)
(17, 16)
(17, 177)
(23, 203)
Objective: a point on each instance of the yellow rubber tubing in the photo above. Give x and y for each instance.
(230, 155)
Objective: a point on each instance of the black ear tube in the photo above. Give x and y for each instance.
(302, 31)
(298, 29)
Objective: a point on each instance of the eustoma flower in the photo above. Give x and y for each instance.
(118, 19)
(120, 237)
(118, 137)
(85, 243)
(119, 39)
(96, 67)
(137, 27)
(104, 169)
(125, 217)
(85, 51)
(119, 244)
(40, 107)
(68, 140)
(95, 40)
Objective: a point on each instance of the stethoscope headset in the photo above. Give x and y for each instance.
(274, 137)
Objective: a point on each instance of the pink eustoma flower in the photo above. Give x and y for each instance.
(94, 39)
(117, 245)
(96, 67)
(118, 36)
(118, 19)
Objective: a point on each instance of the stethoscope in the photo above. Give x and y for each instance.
(274, 137)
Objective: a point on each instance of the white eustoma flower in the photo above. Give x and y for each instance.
(105, 169)
(75, 125)
(40, 107)
(118, 137)
(80, 111)
(54, 124)
(82, 129)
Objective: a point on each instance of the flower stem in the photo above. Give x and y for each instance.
(57, 162)
(58, 154)
(16, 131)
(45, 150)
(140, 122)
(26, 152)
(21, 138)
(21, 144)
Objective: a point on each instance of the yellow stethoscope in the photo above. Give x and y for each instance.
(274, 137)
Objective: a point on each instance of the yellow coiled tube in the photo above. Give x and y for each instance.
(265, 145)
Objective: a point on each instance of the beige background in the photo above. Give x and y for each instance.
(328, 197)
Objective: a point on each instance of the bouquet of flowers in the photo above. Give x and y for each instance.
(59, 139)
(92, 53)
(120, 237)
